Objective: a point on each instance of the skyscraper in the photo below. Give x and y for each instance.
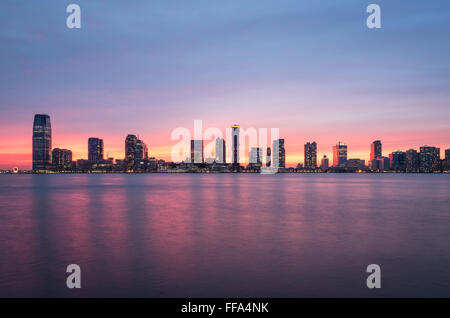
(61, 159)
(141, 150)
(42, 142)
(376, 150)
(311, 155)
(412, 160)
(235, 146)
(268, 157)
(446, 164)
(255, 155)
(220, 150)
(130, 151)
(197, 151)
(279, 153)
(95, 149)
(339, 154)
(429, 159)
(325, 163)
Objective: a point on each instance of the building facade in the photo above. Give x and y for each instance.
(339, 154)
(61, 159)
(42, 142)
(221, 155)
(310, 155)
(235, 135)
(429, 159)
(95, 149)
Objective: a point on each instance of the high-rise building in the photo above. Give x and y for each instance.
(95, 149)
(376, 150)
(130, 151)
(42, 142)
(279, 153)
(324, 163)
(220, 150)
(197, 151)
(255, 155)
(141, 150)
(412, 160)
(446, 163)
(61, 159)
(311, 155)
(339, 154)
(429, 159)
(235, 146)
(268, 157)
(398, 161)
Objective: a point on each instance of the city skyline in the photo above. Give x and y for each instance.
(136, 155)
(314, 70)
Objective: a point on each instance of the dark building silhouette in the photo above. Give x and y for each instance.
(130, 151)
(42, 142)
(279, 153)
(268, 157)
(235, 145)
(375, 150)
(446, 163)
(339, 154)
(255, 155)
(325, 163)
(95, 150)
(141, 150)
(311, 155)
(354, 164)
(430, 160)
(220, 151)
(398, 161)
(61, 159)
(412, 160)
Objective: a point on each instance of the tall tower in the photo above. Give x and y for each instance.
(339, 154)
(279, 153)
(130, 151)
(95, 149)
(375, 150)
(220, 150)
(42, 142)
(311, 155)
(235, 146)
(141, 150)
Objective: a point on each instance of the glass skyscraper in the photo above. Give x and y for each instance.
(42, 142)
(339, 154)
(311, 155)
(235, 149)
(95, 149)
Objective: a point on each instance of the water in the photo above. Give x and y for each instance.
(227, 235)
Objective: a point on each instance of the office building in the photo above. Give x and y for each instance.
(398, 161)
(429, 159)
(311, 155)
(95, 149)
(235, 145)
(141, 151)
(375, 150)
(42, 142)
(339, 154)
(197, 151)
(412, 160)
(220, 150)
(324, 165)
(279, 154)
(61, 159)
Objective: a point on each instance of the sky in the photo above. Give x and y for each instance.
(310, 68)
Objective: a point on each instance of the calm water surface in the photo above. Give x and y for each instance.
(225, 235)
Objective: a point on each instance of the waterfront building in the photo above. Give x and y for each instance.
(339, 154)
(311, 155)
(375, 150)
(42, 142)
(398, 161)
(130, 151)
(141, 150)
(197, 151)
(95, 149)
(61, 159)
(220, 150)
(235, 131)
(324, 165)
(279, 153)
(429, 159)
